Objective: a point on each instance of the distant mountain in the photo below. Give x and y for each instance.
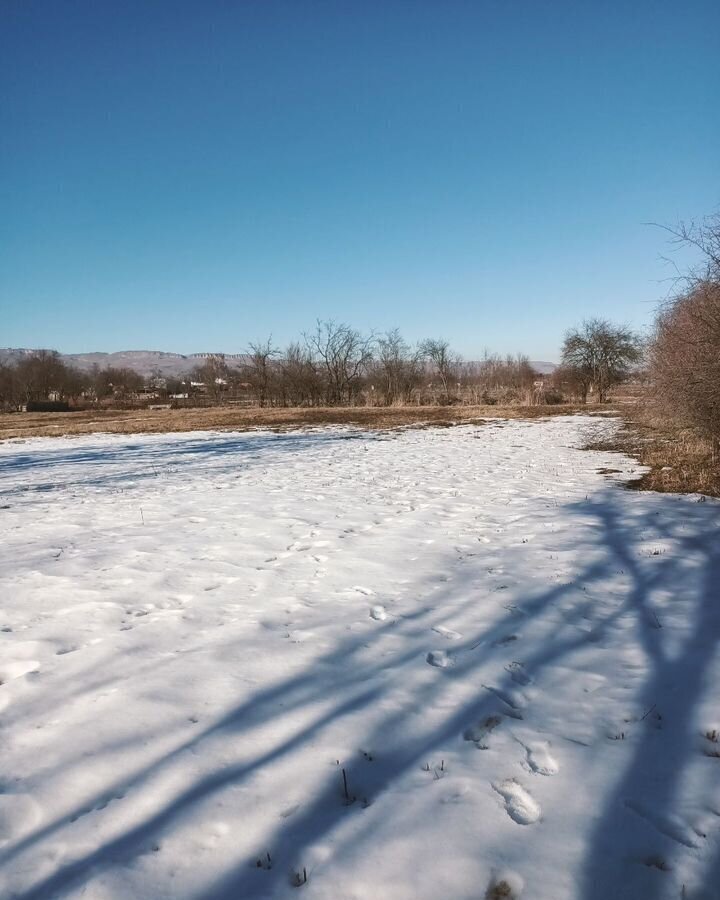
(144, 362)
(543, 368)
(149, 362)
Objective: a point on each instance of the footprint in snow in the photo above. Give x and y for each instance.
(99, 806)
(519, 804)
(671, 825)
(447, 633)
(539, 759)
(297, 636)
(479, 733)
(12, 669)
(518, 673)
(439, 659)
(514, 700)
(507, 639)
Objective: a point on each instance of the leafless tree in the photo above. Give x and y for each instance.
(43, 375)
(115, 382)
(445, 364)
(343, 355)
(497, 379)
(300, 383)
(260, 369)
(600, 355)
(398, 368)
(702, 236)
(9, 388)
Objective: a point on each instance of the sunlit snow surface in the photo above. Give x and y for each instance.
(514, 659)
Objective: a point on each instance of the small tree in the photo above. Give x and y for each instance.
(260, 369)
(9, 387)
(300, 383)
(398, 367)
(445, 363)
(599, 355)
(343, 355)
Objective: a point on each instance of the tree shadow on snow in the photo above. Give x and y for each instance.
(645, 806)
(140, 461)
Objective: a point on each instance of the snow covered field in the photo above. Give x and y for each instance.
(513, 660)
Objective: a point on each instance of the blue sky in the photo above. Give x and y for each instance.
(190, 176)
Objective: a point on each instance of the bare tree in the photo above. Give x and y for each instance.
(115, 382)
(343, 355)
(9, 388)
(260, 369)
(445, 363)
(398, 367)
(214, 373)
(703, 236)
(497, 379)
(300, 381)
(43, 375)
(600, 355)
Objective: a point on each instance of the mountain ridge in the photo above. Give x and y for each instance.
(150, 362)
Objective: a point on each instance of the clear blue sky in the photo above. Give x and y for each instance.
(189, 176)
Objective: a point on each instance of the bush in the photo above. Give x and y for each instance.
(553, 397)
(685, 358)
(48, 406)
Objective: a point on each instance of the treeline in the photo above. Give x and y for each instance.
(333, 365)
(42, 377)
(337, 365)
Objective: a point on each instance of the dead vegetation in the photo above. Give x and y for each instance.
(680, 460)
(154, 421)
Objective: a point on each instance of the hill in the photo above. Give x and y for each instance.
(150, 362)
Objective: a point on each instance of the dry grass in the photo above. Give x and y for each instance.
(147, 421)
(679, 460)
(500, 890)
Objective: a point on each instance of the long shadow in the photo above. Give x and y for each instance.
(139, 460)
(653, 763)
(645, 807)
(655, 770)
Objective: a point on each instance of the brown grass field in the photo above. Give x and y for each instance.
(148, 421)
(678, 460)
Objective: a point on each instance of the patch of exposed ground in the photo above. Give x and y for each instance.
(679, 461)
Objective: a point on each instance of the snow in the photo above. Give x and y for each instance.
(511, 660)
